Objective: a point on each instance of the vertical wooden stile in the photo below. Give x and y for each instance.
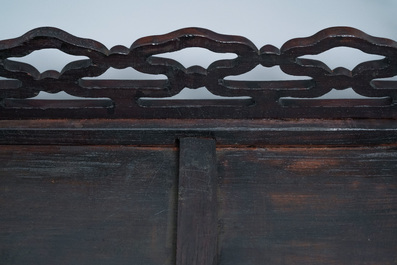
(197, 203)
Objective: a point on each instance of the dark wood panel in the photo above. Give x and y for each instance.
(197, 236)
(308, 205)
(117, 204)
(87, 205)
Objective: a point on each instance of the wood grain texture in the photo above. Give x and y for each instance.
(87, 205)
(197, 229)
(308, 205)
(226, 132)
(259, 192)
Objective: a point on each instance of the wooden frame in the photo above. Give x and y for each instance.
(274, 176)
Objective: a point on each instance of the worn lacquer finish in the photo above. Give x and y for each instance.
(268, 173)
(308, 205)
(79, 205)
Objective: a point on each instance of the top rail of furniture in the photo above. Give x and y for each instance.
(237, 99)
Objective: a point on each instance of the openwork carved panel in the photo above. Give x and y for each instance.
(22, 82)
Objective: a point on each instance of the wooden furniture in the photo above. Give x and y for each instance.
(269, 174)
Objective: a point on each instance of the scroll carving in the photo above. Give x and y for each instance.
(262, 99)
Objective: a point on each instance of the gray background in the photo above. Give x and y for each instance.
(121, 22)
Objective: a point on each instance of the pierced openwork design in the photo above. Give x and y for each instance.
(241, 99)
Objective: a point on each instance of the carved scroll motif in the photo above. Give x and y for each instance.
(242, 99)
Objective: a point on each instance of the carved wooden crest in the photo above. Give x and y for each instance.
(246, 99)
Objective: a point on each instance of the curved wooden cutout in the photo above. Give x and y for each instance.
(366, 79)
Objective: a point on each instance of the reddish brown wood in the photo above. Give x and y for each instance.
(127, 176)
(136, 98)
(308, 205)
(197, 230)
